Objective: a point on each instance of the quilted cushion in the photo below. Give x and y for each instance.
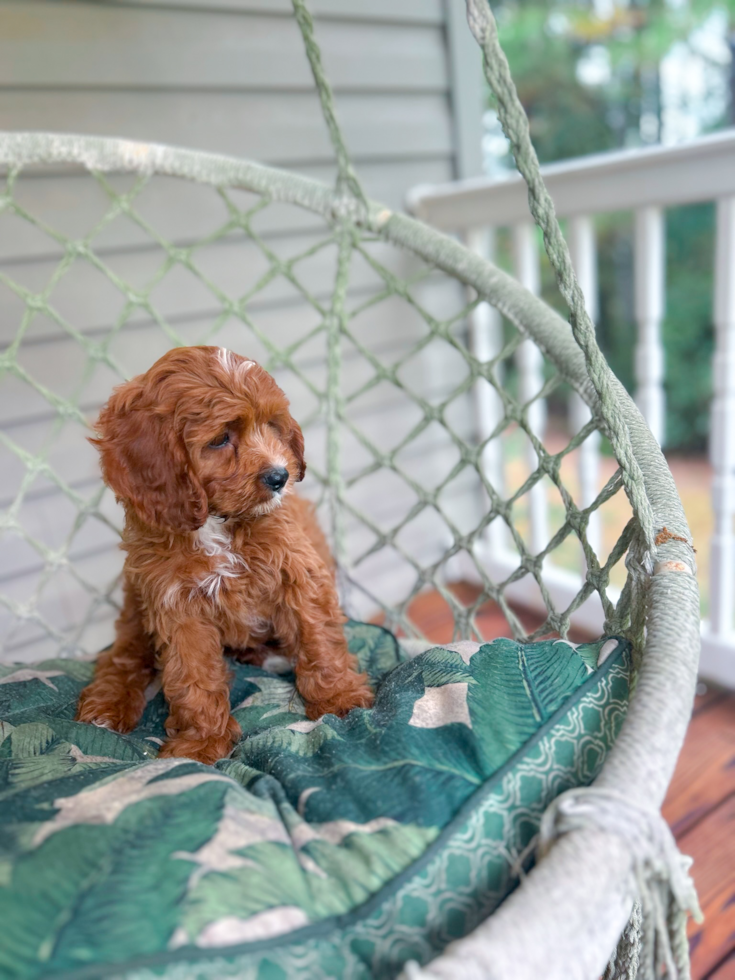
(341, 847)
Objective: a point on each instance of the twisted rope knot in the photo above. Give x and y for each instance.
(577, 519)
(595, 577)
(349, 208)
(639, 562)
(665, 889)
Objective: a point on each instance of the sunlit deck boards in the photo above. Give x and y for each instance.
(700, 807)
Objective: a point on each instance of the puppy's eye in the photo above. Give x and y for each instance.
(220, 441)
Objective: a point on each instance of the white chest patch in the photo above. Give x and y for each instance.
(214, 538)
(215, 541)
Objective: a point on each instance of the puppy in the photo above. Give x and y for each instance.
(203, 454)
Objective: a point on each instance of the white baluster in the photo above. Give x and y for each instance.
(649, 248)
(584, 257)
(722, 433)
(485, 341)
(531, 379)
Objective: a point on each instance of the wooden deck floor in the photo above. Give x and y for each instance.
(700, 806)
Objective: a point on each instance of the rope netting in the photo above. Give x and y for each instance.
(375, 348)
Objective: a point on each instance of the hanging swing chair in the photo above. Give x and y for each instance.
(497, 814)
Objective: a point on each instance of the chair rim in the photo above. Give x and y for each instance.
(581, 888)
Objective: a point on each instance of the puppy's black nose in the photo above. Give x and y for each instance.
(275, 479)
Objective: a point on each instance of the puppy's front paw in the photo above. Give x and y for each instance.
(357, 694)
(120, 715)
(207, 749)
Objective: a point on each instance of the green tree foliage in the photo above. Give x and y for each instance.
(567, 119)
(546, 41)
(688, 329)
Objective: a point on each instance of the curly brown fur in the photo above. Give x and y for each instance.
(216, 558)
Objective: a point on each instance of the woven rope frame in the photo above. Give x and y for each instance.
(582, 887)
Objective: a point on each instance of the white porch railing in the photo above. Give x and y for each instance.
(646, 182)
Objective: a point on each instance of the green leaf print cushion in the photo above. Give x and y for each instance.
(331, 848)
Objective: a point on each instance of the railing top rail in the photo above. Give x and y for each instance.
(702, 170)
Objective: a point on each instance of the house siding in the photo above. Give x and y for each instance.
(230, 77)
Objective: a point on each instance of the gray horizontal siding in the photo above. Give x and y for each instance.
(285, 130)
(391, 11)
(228, 76)
(181, 211)
(50, 44)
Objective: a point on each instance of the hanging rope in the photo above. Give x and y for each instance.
(335, 325)
(655, 939)
(515, 126)
(348, 186)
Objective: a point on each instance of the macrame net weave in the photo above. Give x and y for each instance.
(375, 348)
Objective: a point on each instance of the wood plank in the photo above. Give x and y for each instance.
(725, 971)
(705, 773)
(29, 420)
(492, 622)
(383, 414)
(432, 615)
(65, 601)
(707, 695)
(90, 302)
(67, 452)
(286, 129)
(407, 11)
(180, 211)
(425, 535)
(92, 299)
(712, 845)
(50, 521)
(48, 515)
(41, 646)
(101, 46)
(65, 368)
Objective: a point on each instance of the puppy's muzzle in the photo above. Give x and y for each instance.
(275, 479)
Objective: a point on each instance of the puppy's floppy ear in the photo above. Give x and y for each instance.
(145, 464)
(295, 439)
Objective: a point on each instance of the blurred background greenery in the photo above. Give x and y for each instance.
(597, 75)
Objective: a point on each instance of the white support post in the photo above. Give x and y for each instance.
(722, 434)
(486, 340)
(531, 379)
(584, 258)
(467, 88)
(649, 249)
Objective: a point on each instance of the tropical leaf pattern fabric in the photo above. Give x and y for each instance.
(330, 848)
